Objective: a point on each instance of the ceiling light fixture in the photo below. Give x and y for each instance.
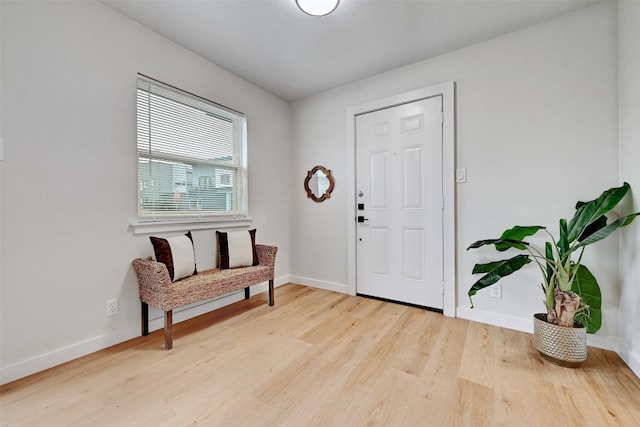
(317, 7)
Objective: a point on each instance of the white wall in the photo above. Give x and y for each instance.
(536, 130)
(69, 174)
(629, 110)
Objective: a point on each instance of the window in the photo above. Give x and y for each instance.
(191, 159)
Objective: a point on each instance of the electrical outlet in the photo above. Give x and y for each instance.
(496, 291)
(112, 307)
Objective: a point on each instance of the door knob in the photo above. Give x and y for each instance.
(362, 219)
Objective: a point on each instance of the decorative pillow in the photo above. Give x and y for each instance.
(177, 254)
(237, 249)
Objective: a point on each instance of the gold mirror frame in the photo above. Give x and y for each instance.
(327, 192)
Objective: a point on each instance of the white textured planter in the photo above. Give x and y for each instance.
(559, 344)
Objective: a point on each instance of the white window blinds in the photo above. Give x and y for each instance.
(191, 161)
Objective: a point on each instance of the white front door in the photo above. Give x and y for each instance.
(399, 199)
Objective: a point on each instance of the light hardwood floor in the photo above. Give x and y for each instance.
(319, 358)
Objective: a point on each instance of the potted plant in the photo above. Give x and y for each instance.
(572, 293)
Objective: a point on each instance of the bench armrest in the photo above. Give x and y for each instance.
(266, 255)
(153, 280)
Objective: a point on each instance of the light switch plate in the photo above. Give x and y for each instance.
(461, 175)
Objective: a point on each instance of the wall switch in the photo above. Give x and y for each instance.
(112, 307)
(461, 175)
(496, 291)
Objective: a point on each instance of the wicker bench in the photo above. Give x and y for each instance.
(157, 290)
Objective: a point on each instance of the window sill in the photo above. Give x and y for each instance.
(163, 226)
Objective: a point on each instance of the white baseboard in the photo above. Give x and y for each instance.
(320, 284)
(509, 322)
(62, 355)
(156, 321)
(601, 341)
(633, 360)
(526, 325)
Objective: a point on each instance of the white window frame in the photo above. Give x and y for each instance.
(164, 221)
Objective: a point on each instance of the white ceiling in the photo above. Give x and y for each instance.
(277, 47)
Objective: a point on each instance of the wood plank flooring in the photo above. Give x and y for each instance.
(319, 358)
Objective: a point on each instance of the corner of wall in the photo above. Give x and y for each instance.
(629, 152)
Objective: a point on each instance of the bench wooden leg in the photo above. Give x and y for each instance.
(247, 294)
(271, 298)
(168, 329)
(145, 318)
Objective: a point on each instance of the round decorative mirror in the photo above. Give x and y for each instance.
(319, 183)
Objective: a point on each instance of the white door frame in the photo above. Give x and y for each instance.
(447, 90)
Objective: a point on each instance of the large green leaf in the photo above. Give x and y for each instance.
(589, 212)
(511, 238)
(586, 285)
(517, 233)
(549, 285)
(499, 270)
(518, 244)
(563, 242)
(548, 253)
(605, 231)
(593, 227)
(485, 268)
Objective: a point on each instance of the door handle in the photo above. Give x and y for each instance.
(362, 219)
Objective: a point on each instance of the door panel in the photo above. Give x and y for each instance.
(412, 182)
(379, 251)
(379, 180)
(399, 181)
(413, 257)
